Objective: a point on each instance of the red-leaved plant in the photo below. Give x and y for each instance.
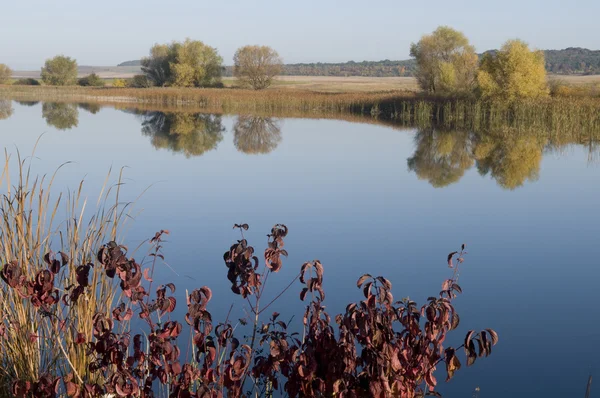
(378, 347)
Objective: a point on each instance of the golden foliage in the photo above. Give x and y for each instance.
(514, 72)
(5, 74)
(446, 62)
(119, 83)
(188, 64)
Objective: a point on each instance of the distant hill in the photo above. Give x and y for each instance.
(570, 61)
(131, 63)
(573, 60)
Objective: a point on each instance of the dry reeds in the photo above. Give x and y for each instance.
(34, 221)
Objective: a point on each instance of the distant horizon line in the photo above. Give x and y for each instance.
(296, 63)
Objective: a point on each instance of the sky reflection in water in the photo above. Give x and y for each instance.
(361, 198)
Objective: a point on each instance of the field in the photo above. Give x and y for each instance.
(326, 84)
(336, 84)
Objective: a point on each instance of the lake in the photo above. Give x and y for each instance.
(360, 197)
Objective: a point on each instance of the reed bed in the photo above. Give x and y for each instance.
(402, 108)
(35, 221)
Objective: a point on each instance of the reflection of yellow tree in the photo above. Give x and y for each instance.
(441, 157)
(255, 134)
(511, 159)
(60, 115)
(189, 133)
(6, 109)
(90, 107)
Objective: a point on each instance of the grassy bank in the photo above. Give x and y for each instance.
(581, 114)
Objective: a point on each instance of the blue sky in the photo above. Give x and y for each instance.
(109, 32)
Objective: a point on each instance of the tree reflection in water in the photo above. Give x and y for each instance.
(90, 107)
(441, 157)
(511, 158)
(256, 134)
(60, 115)
(6, 109)
(28, 103)
(192, 134)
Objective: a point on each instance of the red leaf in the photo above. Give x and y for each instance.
(72, 388)
(494, 336)
(147, 275)
(303, 294)
(450, 259)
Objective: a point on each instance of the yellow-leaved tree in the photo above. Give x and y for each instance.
(5, 74)
(183, 64)
(446, 62)
(514, 72)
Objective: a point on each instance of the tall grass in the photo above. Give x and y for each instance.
(34, 221)
(553, 114)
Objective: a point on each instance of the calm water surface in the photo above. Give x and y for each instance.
(361, 198)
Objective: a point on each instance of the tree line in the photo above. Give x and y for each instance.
(569, 61)
(445, 63)
(190, 63)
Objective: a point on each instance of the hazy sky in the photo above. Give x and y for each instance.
(109, 32)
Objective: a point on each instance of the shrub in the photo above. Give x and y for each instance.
(92, 80)
(119, 83)
(378, 347)
(140, 81)
(27, 82)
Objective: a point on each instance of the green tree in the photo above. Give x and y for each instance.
(188, 64)
(512, 73)
(92, 80)
(26, 82)
(256, 134)
(5, 74)
(6, 109)
(140, 81)
(157, 66)
(446, 62)
(60, 71)
(60, 115)
(188, 133)
(256, 66)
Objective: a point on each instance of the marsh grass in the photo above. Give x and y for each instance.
(35, 220)
(407, 108)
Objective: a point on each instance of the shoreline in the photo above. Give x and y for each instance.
(554, 114)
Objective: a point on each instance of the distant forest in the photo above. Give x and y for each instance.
(570, 61)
